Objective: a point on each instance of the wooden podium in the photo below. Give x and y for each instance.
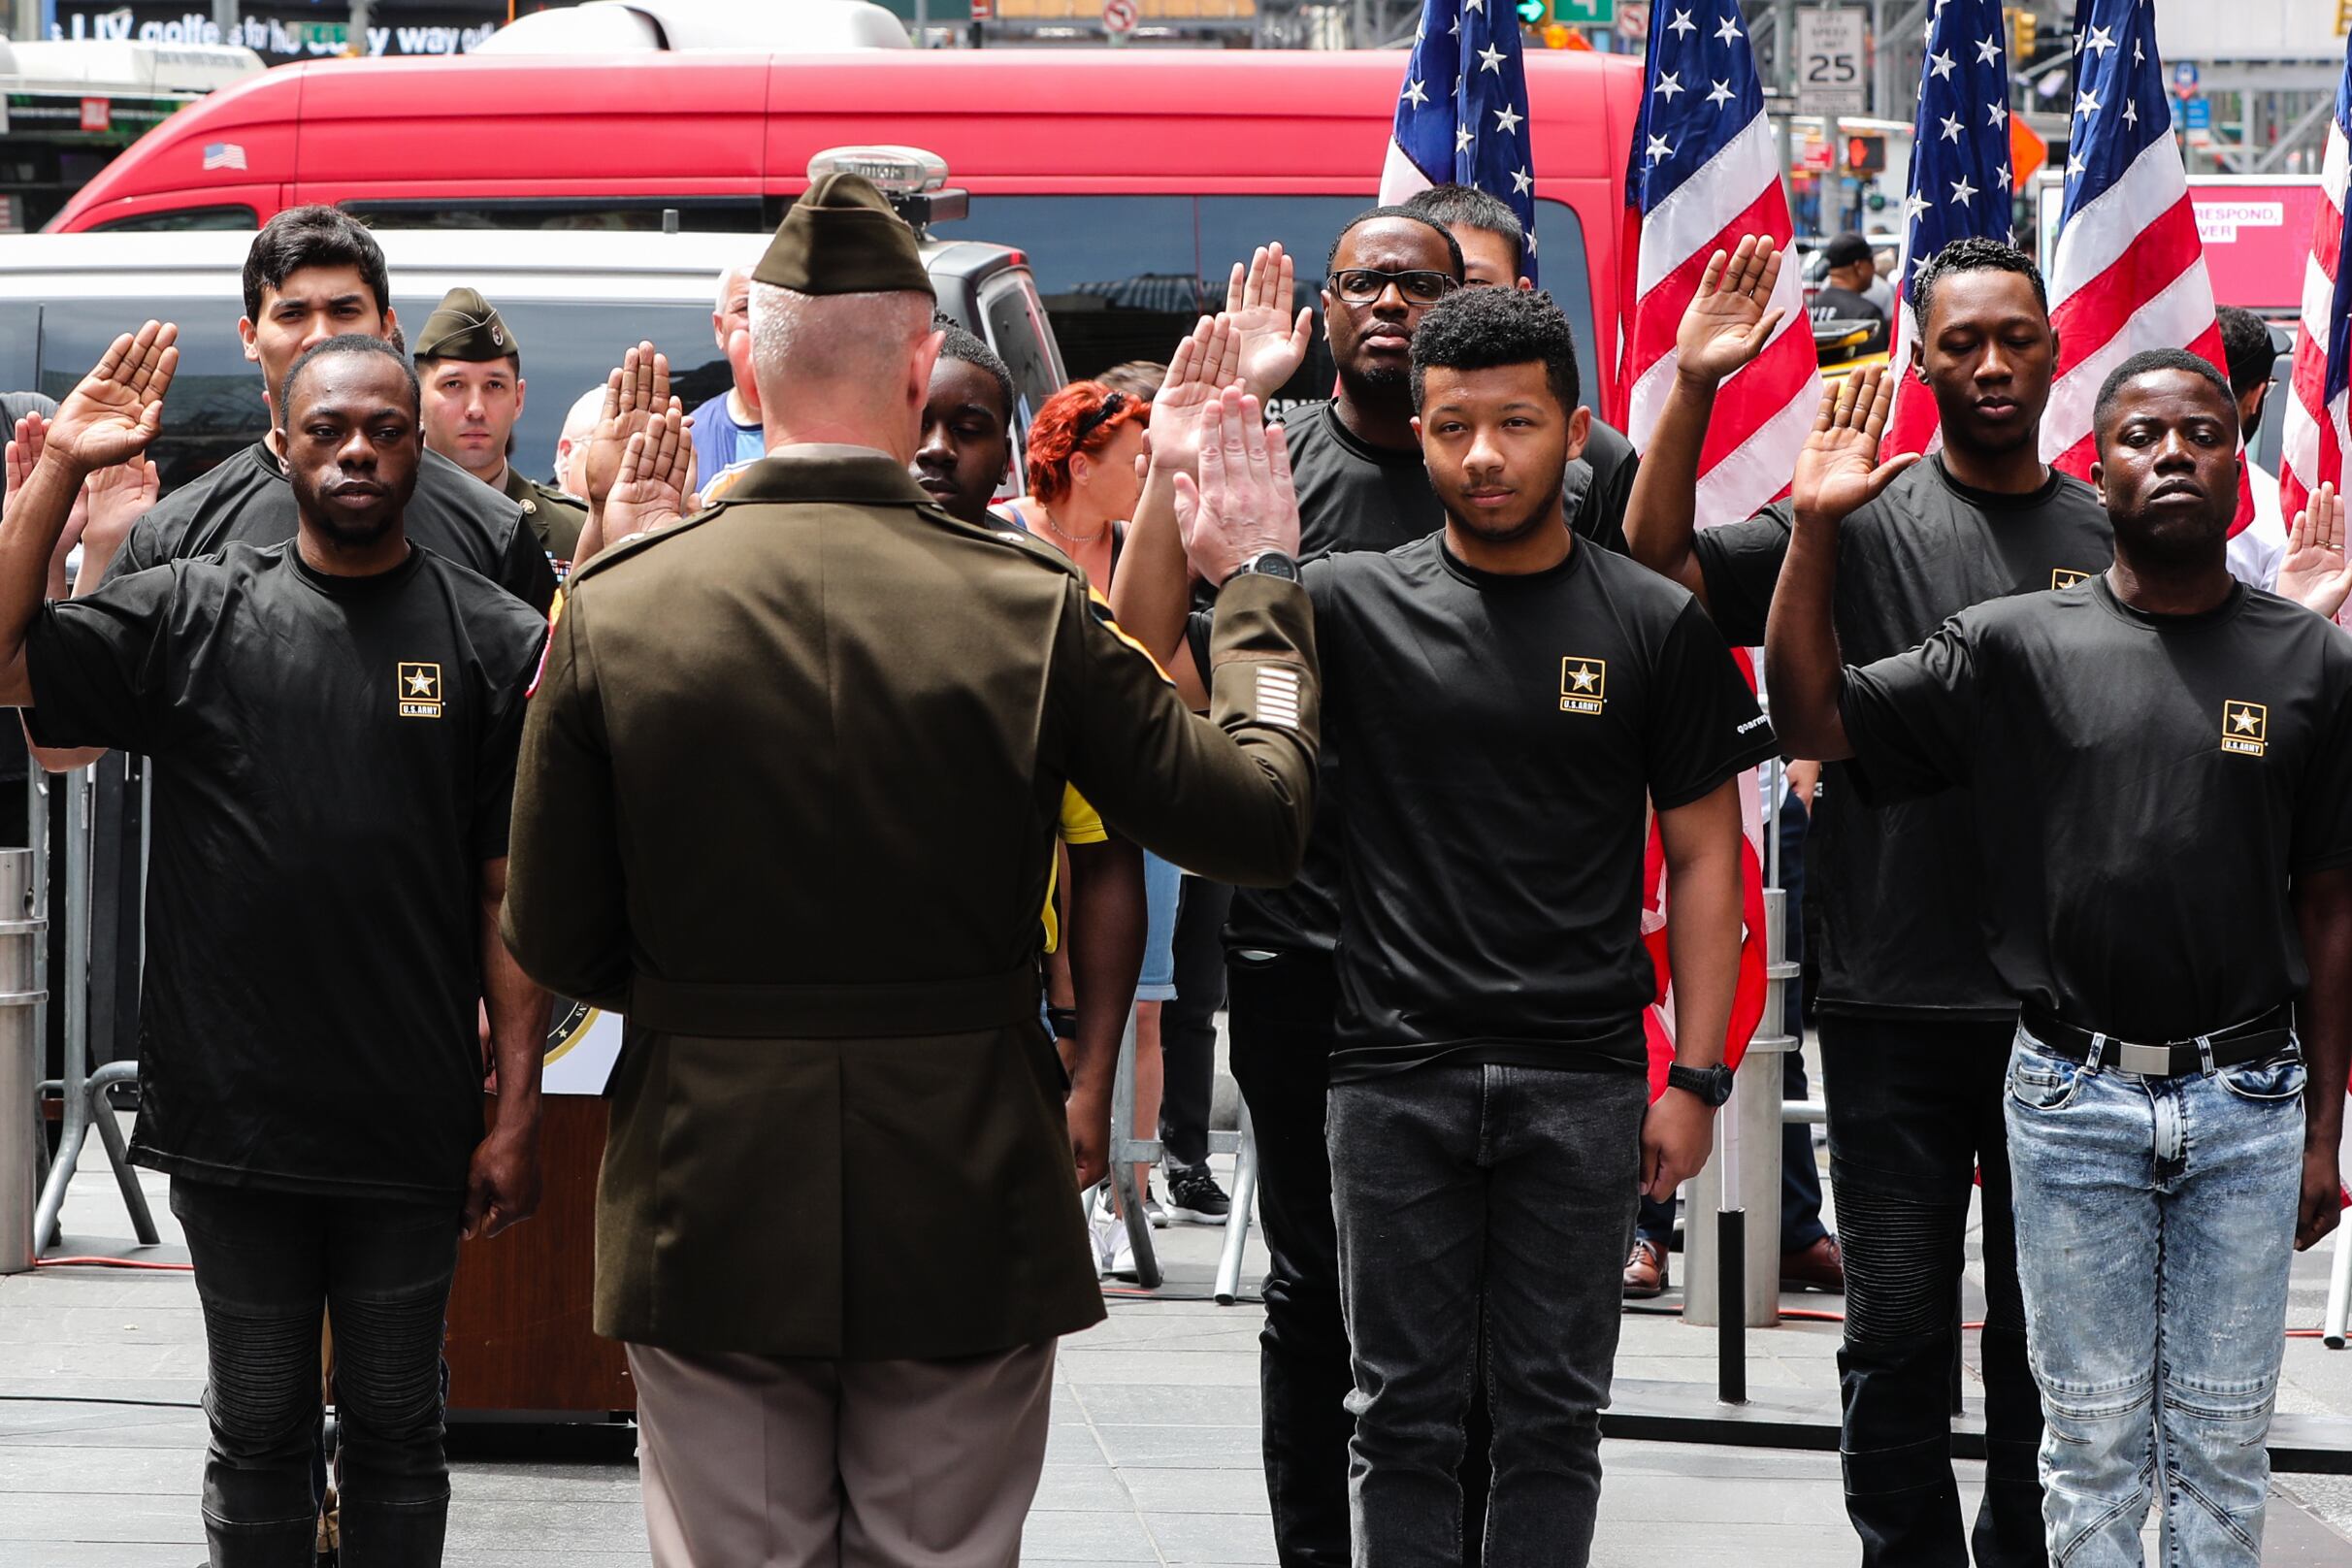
(519, 1341)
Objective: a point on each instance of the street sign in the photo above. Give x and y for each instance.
(2200, 113)
(2184, 78)
(97, 113)
(1119, 17)
(2028, 152)
(1633, 20)
(983, 10)
(1829, 62)
(1585, 12)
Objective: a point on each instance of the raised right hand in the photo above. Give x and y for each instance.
(1274, 342)
(118, 409)
(1727, 323)
(634, 395)
(1838, 473)
(1243, 503)
(1204, 364)
(650, 490)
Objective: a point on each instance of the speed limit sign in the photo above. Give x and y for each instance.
(1829, 62)
(1119, 16)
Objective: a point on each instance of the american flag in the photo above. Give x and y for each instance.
(2130, 272)
(1704, 171)
(224, 155)
(2316, 431)
(1959, 180)
(1461, 115)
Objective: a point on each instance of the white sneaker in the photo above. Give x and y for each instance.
(1114, 1252)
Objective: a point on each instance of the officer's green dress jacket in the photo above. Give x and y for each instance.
(555, 518)
(787, 797)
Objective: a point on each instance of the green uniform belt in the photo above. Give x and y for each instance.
(834, 1012)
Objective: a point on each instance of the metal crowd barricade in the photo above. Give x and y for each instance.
(1128, 1151)
(82, 1091)
(23, 1137)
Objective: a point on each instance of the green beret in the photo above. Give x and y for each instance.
(842, 238)
(466, 327)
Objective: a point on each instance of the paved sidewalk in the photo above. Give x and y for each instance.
(1153, 1459)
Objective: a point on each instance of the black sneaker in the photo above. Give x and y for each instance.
(1196, 1198)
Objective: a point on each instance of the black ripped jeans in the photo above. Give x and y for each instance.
(1914, 1111)
(267, 1263)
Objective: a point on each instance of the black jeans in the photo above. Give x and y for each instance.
(1281, 1019)
(1914, 1110)
(1187, 1026)
(1495, 1201)
(266, 1265)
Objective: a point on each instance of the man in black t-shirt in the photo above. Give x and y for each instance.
(313, 273)
(334, 723)
(1914, 1021)
(1361, 485)
(1508, 700)
(1852, 268)
(2156, 769)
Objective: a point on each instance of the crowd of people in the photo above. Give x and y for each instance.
(1354, 726)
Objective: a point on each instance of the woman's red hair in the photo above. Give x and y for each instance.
(1054, 435)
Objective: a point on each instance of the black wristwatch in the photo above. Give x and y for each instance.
(1269, 563)
(1711, 1083)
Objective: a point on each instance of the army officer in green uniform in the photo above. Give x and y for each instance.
(787, 801)
(471, 371)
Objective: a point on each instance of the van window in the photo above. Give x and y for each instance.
(19, 343)
(1013, 323)
(1125, 276)
(234, 216)
(603, 214)
(214, 407)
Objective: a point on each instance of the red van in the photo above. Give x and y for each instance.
(1132, 179)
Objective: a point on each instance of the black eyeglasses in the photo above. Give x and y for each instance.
(1091, 420)
(1362, 285)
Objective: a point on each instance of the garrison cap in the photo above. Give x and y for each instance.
(842, 238)
(466, 326)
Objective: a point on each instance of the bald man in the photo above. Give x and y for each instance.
(572, 442)
(726, 430)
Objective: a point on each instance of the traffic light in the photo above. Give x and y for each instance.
(1534, 13)
(2022, 28)
(1866, 154)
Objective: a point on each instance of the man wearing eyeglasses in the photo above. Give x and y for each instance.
(1361, 485)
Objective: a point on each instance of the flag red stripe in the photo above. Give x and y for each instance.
(1659, 313)
(2094, 313)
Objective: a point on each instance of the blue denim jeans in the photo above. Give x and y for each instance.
(1476, 1198)
(2155, 1227)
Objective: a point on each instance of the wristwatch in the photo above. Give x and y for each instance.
(1711, 1083)
(1269, 563)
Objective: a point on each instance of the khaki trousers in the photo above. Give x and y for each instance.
(749, 1462)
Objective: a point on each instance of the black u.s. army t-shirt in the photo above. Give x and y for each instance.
(1898, 885)
(2141, 787)
(248, 501)
(1503, 735)
(334, 761)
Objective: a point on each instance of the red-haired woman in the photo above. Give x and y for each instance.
(1083, 483)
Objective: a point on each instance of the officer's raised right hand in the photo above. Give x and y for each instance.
(1839, 472)
(118, 409)
(1243, 505)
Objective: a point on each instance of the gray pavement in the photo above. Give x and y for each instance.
(1153, 1457)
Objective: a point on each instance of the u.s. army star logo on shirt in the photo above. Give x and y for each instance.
(2245, 728)
(419, 688)
(1583, 684)
(2066, 577)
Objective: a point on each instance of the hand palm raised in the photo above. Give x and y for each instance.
(1727, 322)
(1206, 362)
(649, 491)
(117, 409)
(1273, 339)
(633, 397)
(1838, 470)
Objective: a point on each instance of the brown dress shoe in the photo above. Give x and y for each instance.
(1645, 1270)
(1820, 1266)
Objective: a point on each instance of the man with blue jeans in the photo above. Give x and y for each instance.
(2158, 767)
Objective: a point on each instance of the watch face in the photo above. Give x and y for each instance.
(1271, 565)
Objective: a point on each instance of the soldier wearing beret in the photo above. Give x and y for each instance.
(787, 801)
(471, 371)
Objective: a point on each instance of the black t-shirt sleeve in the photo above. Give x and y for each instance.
(142, 548)
(1704, 723)
(1912, 719)
(97, 665)
(2322, 836)
(523, 570)
(494, 765)
(1740, 563)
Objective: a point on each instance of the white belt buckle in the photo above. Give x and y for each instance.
(2149, 1060)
